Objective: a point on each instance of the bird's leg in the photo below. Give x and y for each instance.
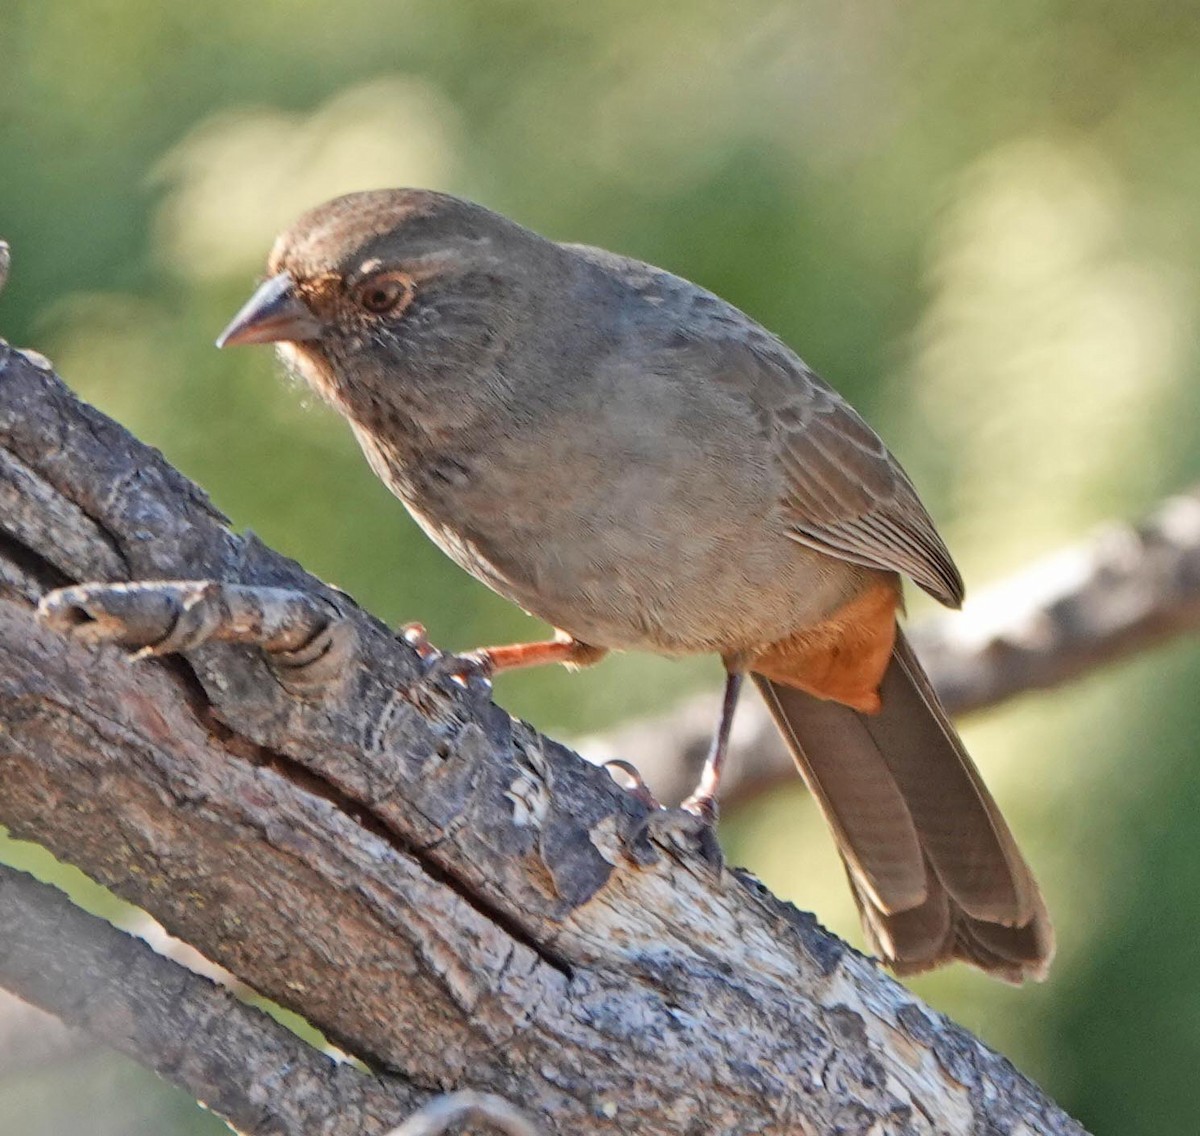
(703, 799)
(693, 824)
(570, 652)
(484, 662)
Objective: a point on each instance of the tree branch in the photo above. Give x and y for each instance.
(232, 1057)
(448, 895)
(1131, 586)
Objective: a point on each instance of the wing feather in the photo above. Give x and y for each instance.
(847, 496)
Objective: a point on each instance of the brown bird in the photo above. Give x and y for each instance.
(640, 464)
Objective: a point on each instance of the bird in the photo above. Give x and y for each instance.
(641, 465)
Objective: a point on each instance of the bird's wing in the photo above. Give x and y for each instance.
(844, 494)
(847, 496)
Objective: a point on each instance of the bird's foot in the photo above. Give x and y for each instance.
(703, 806)
(679, 830)
(415, 635)
(691, 827)
(442, 672)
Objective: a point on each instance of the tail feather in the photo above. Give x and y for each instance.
(860, 799)
(968, 842)
(934, 868)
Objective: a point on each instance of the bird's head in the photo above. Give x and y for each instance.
(396, 298)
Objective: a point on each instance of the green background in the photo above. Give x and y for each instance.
(978, 220)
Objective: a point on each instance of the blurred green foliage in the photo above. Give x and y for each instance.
(978, 220)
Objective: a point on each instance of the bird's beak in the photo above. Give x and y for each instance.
(274, 314)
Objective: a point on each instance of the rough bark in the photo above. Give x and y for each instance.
(449, 896)
(1129, 587)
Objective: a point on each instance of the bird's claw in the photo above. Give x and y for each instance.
(415, 635)
(692, 826)
(631, 781)
(471, 671)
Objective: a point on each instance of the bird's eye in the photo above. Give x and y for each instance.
(384, 293)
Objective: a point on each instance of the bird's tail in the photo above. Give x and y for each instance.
(935, 870)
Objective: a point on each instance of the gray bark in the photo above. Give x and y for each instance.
(449, 896)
